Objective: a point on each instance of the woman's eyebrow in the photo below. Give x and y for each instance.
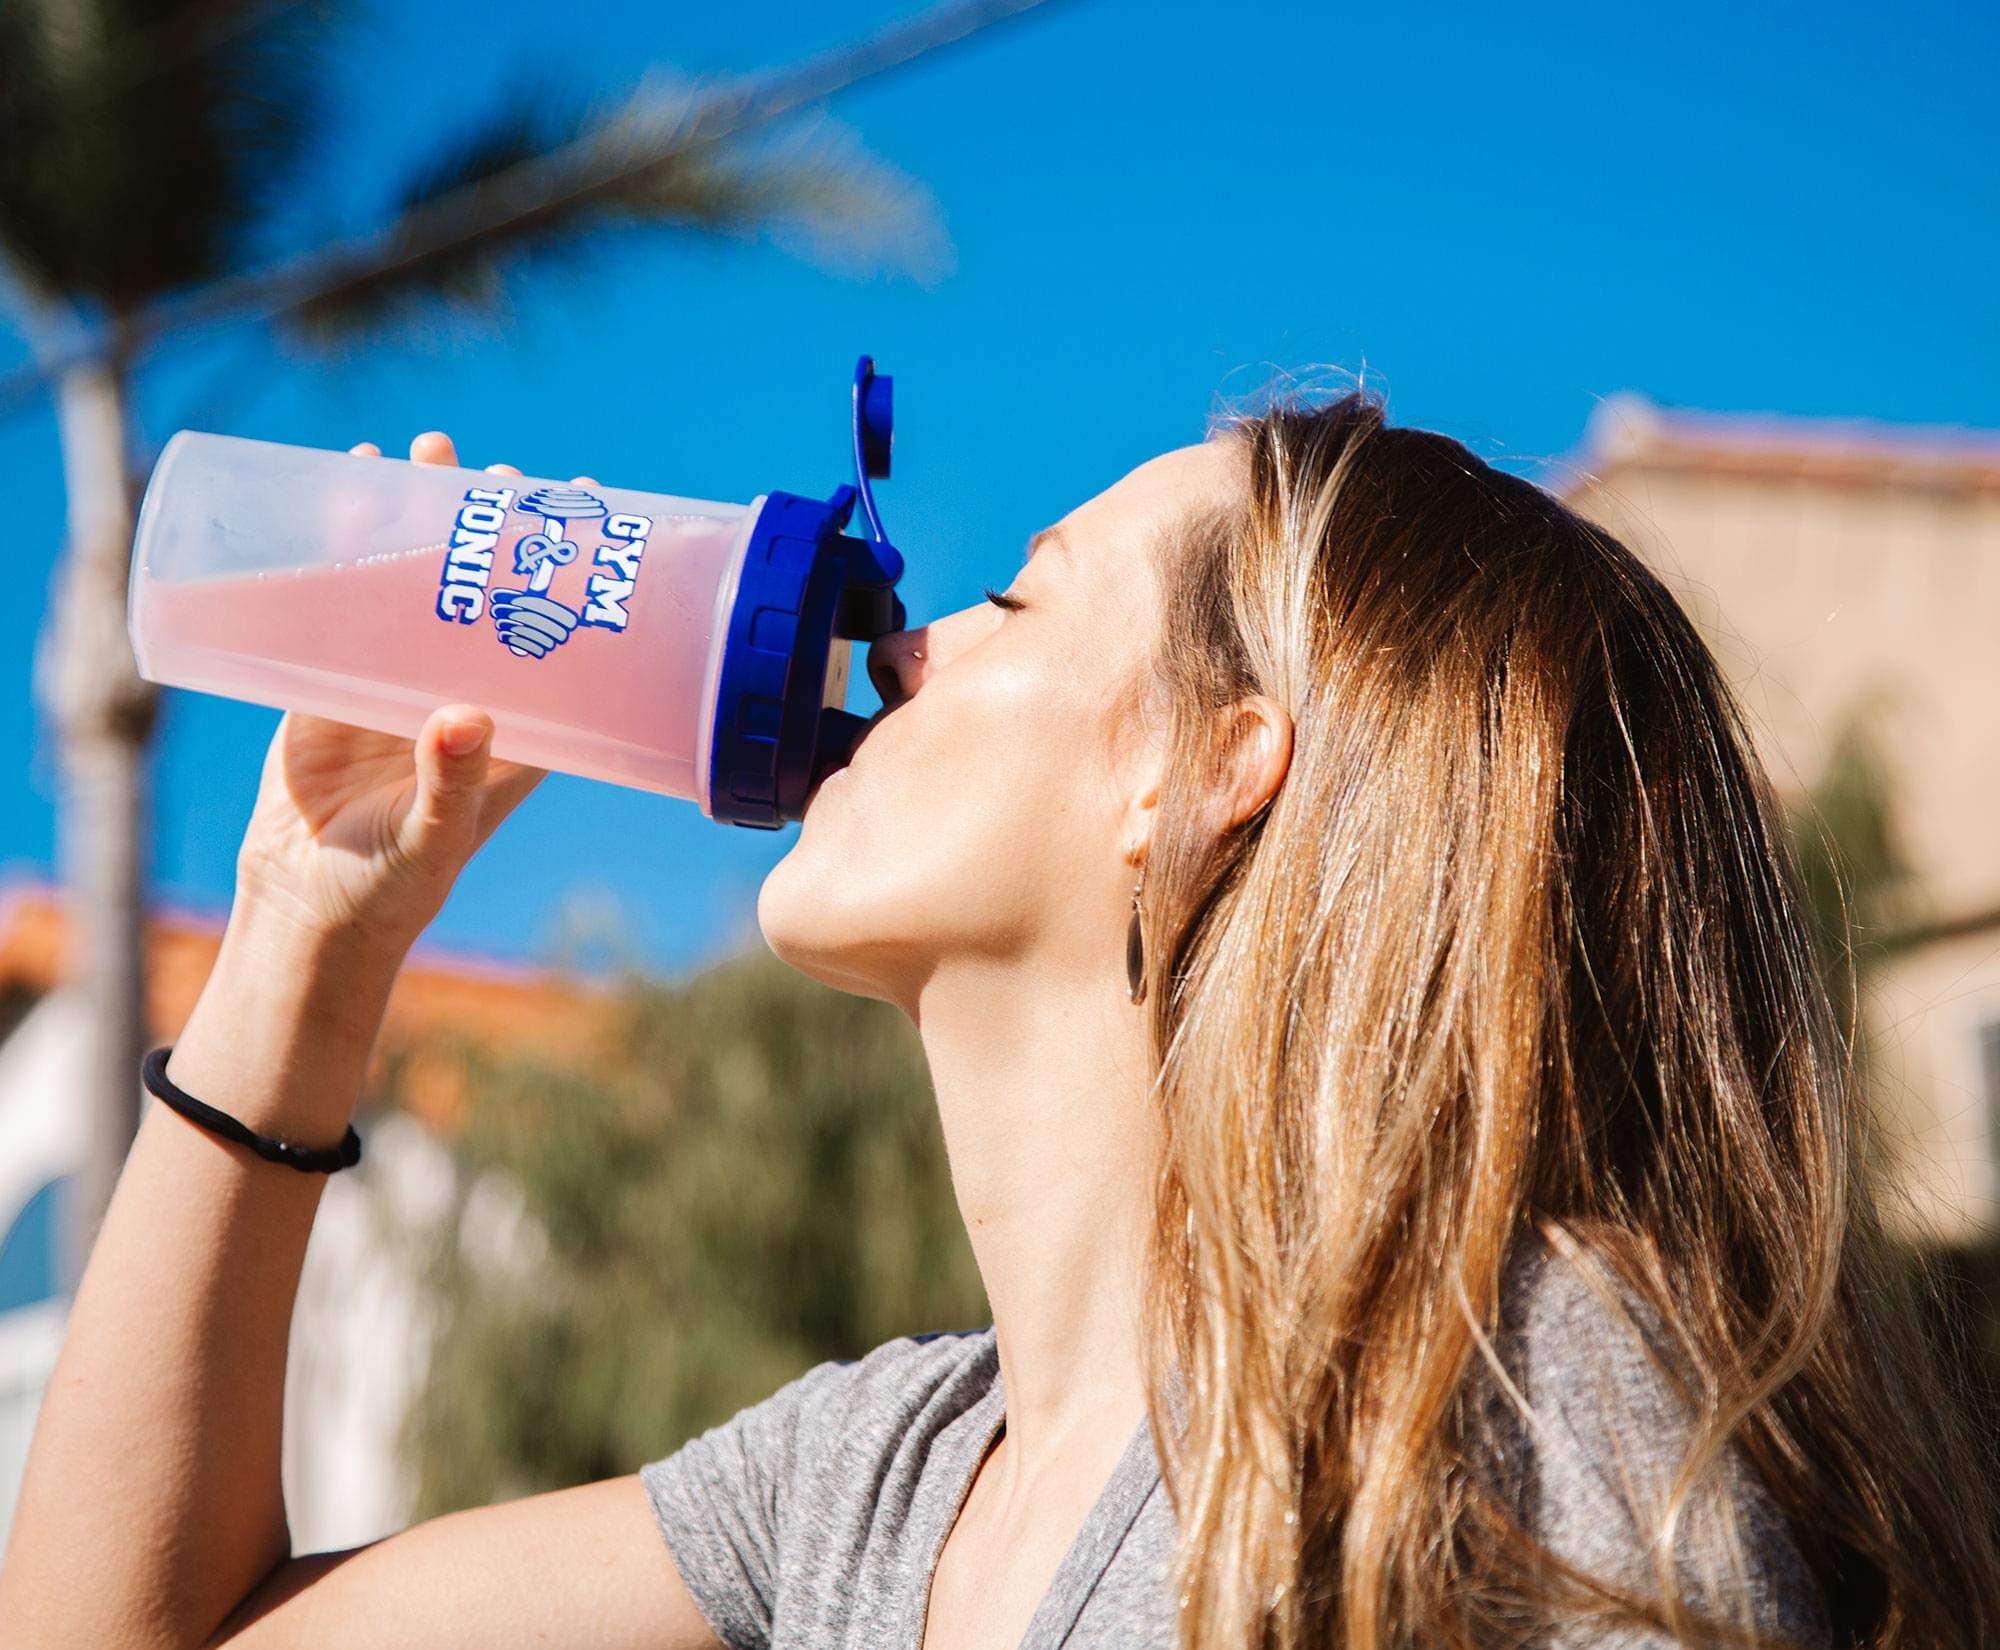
(1048, 535)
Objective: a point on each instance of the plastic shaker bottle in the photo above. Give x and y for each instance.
(696, 649)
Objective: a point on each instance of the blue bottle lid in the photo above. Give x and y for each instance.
(804, 584)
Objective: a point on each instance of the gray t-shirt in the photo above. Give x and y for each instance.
(813, 1520)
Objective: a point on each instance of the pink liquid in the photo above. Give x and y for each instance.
(374, 643)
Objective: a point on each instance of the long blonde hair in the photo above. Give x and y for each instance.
(1516, 945)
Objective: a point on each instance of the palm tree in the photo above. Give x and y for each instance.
(149, 154)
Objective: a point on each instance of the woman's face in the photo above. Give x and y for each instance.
(991, 811)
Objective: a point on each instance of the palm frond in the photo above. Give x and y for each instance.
(142, 141)
(722, 121)
(813, 189)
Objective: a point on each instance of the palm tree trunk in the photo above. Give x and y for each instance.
(102, 712)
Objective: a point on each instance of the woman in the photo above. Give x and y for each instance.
(1460, 1243)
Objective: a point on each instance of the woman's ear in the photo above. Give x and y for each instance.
(1135, 830)
(1255, 753)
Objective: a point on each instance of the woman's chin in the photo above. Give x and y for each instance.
(814, 928)
(793, 909)
(776, 902)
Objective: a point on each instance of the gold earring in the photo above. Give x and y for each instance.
(1135, 946)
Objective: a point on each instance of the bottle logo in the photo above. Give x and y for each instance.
(528, 620)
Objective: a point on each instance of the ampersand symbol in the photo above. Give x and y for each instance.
(532, 549)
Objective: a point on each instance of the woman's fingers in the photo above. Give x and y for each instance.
(433, 447)
(450, 754)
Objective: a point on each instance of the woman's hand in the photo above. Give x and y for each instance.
(359, 836)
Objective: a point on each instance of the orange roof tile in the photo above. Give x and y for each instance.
(503, 1005)
(1629, 432)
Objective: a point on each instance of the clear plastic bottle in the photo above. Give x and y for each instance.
(679, 645)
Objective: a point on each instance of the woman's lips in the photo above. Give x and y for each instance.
(824, 781)
(853, 754)
(867, 733)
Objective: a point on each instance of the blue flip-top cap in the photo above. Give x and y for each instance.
(874, 423)
(805, 585)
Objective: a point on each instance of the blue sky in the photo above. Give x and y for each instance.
(1503, 214)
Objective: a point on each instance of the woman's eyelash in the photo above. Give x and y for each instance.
(1011, 603)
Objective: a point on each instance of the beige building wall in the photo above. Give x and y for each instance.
(1835, 565)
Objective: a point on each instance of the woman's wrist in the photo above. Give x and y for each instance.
(281, 1035)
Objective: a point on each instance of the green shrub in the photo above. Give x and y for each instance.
(752, 1180)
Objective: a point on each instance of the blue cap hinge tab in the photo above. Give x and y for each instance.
(805, 584)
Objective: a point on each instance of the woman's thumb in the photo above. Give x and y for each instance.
(451, 756)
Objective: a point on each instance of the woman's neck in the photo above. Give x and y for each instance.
(1041, 1087)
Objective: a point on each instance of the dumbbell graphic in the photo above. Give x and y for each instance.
(531, 625)
(530, 622)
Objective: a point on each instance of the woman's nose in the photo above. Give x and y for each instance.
(895, 665)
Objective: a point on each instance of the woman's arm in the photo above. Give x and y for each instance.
(151, 1515)
(151, 1502)
(152, 1509)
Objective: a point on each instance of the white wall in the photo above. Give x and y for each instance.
(360, 1331)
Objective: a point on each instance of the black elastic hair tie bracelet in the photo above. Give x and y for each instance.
(307, 1159)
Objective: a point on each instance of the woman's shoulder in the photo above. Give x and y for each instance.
(895, 1383)
(1586, 1371)
(1565, 1303)
(1588, 1421)
(844, 1405)
(797, 1475)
